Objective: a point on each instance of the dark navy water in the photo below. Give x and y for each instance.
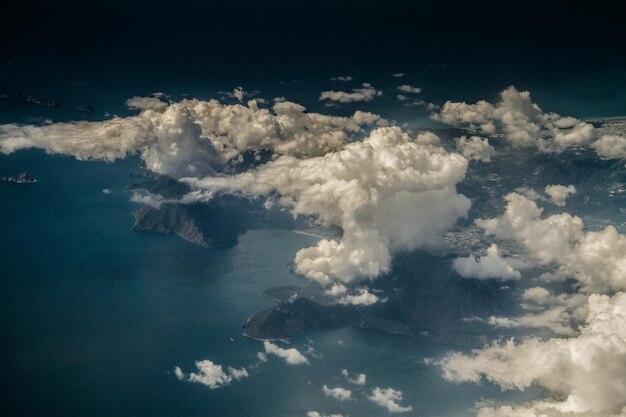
(95, 316)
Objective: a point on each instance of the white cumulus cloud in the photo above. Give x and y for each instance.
(490, 266)
(367, 92)
(389, 398)
(339, 393)
(292, 356)
(597, 260)
(559, 193)
(386, 192)
(211, 374)
(585, 375)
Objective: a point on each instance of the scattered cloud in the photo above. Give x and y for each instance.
(475, 148)
(559, 193)
(316, 414)
(367, 92)
(388, 398)
(397, 74)
(490, 266)
(597, 260)
(291, 356)
(405, 88)
(362, 297)
(585, 375)
(343, 78)
(146, 103)
(338, 393)
(211, 374)
(519, 120)
(359, 379)
(610, 146)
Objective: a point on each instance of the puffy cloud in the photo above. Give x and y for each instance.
(359, 379)
(405, 88)
(343, 78)
(597, 260)
(559, 314)
(559, 193)
(585, 375)
(389, 398)
(146, 103)
(610, 146)
(519, 120)
(386, 192)
(192, 137)
(362, 297)
(490, 266)
(475, 148)
(291, 356)
(211, 374)
(366, 93)
(339, 393)
(238, 93)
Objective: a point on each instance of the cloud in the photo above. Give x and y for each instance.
(475, 148)
(490, 266)
(397, 74)
(597, 260)
(389, 398)
(362, 297)
(146, 103)
(343, 78)
(316, 414)
(211, 374)
(366, 93)
(339, 393)
(405, 88)
(193, 137)
(610, 146)
(585, 375)
(359, 379)
(522, 122)
(559, 193)
(291, 356)
(386, 192)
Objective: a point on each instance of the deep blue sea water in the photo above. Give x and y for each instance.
(95, 316)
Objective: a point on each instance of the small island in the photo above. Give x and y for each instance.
(22, 178)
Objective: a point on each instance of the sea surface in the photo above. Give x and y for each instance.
(94, 316)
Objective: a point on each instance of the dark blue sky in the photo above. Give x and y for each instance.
(453, 49)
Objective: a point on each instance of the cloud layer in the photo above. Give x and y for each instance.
(586, 375)
(192, 137)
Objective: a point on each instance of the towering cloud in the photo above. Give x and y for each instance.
(387, 193)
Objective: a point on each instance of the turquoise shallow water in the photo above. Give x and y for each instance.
(94, 316)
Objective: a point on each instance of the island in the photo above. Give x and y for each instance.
(22, 178)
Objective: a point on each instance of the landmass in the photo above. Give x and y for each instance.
(22, 178)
